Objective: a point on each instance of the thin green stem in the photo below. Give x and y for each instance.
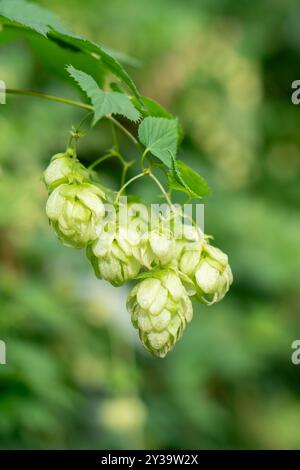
(79, 104)
(152, 176)
(123, 177)
(114, 134)
(126, 166)
(143, 158)
(83, 121)
(101, 159)
(44, 96)
(75, 133)
(125, 131)
(70, 142)
(116, 154)
(140, 175)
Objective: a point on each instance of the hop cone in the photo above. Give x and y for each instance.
(64, 168)
(213, 274)
(156, 247)
(111, 254)
(160, 308)
(189, 249)
(76, 213)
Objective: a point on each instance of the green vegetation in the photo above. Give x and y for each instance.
(76, 375)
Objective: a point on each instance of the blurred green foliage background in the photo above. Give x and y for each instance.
(76, 375)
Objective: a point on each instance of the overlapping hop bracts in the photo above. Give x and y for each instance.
(64, 168)
(213, 274)
(189, 249)
(76, 213)
(111, 254)
(157, 246)
(206, 266)
(160, 309)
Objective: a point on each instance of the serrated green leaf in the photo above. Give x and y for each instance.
(149, 107)
(185, 179)
(104, 102)
(7, 35)
(122, 57)
(109, 61)
(25, 14)
(31, 16)
(54, 57)
(160, 137)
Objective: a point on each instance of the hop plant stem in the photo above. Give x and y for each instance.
(79, 104)
(140, 175)
(152, 176)
(102, 159)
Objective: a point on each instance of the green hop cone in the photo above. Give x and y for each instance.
(111, 254)
(64, 168)
(160, 309)
(76, 213)
(206, 266)
(156, 247)
(213, 275)
(189, 249)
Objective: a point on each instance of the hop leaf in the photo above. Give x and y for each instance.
(160, 137)
(185, 179)
(45, 23)
(31, 15)
(104, 102)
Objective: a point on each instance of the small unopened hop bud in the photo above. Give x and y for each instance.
(111, 254)
(160, 308)
(76, 213)
(64, 168)
(213, 274)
